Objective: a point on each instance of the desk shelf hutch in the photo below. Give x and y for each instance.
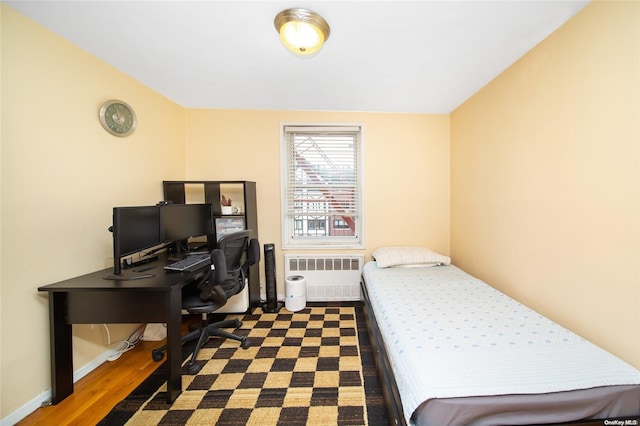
(243, 197)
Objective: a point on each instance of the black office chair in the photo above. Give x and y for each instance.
(236, 252)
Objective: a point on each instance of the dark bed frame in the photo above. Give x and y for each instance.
(392, 400)
(388, 384)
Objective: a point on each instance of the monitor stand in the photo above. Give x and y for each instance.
(179, 253)
(118, 276)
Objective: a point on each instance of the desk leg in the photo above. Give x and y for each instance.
(60, 348)
(174, 345)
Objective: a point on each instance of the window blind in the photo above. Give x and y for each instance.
(322, 177)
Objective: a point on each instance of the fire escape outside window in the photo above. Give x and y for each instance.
(322, 186)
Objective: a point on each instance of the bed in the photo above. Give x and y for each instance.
(453, 350)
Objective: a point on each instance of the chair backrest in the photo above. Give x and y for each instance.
(240, 251)
(230, 262)
(234, 246)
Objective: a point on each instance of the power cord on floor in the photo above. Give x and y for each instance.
(125, 345)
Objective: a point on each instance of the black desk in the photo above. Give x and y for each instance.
(90, 299)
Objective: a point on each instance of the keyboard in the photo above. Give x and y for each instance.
(190, 263)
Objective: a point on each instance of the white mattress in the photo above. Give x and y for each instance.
(450, 335)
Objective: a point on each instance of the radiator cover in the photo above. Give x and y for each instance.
(329, 277)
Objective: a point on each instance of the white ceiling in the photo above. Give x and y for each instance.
(387, 56)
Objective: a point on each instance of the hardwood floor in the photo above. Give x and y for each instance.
(99, 391)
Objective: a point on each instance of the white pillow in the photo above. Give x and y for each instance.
(405, 256)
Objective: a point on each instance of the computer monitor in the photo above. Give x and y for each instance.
(180, 222)
(134, 230)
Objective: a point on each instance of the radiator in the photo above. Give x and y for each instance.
(328, 277)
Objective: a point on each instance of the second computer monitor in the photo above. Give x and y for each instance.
(183, 221)
(134, 230)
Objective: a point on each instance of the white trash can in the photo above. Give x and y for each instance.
(295, 293)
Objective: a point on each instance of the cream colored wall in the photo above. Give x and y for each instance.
(406, 170)
(61, 174)
(545, 188)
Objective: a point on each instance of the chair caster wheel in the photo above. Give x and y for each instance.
(244, 343)
(157, 355)
(193, 368)
(238, 323)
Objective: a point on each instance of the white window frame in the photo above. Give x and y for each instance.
(289, 241)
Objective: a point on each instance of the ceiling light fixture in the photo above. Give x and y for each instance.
(301, 31)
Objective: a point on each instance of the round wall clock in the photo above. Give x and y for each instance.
(117, 118)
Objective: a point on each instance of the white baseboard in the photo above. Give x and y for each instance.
(45, 396)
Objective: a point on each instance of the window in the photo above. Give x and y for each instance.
(322, 186)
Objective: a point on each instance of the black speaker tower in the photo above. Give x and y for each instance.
(272, 305)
